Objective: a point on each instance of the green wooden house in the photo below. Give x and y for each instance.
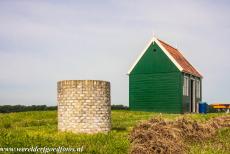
(162, 80)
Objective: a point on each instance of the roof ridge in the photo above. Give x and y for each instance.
(173, 54)
(167, 44)
(177, 55)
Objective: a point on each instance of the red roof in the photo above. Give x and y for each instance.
(180, 59)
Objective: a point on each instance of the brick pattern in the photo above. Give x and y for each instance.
(84, 106)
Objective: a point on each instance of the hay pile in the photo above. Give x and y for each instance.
(161, 136)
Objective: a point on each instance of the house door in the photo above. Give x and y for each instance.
(192, 96)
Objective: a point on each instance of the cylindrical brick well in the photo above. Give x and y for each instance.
(84, 106)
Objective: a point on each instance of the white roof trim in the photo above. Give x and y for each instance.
(169, 56)
(142, 53)
(184, 54)
(163, 49)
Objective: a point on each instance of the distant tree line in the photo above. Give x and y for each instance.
(119, 107)
(24, 108)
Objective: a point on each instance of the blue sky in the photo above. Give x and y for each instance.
(42, 42)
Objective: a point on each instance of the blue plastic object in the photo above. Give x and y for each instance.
(202, 107)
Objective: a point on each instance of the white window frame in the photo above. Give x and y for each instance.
(186, 86)
(198, 87)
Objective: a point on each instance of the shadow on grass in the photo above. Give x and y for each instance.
(119, 129)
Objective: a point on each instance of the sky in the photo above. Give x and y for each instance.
(44, 41)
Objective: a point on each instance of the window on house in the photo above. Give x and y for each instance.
(185, 86)
(198, 88)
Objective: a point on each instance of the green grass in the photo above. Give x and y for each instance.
(27, 129)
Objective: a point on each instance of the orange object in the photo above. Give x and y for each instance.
(220, 106)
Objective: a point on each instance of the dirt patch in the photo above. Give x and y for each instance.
(160, 136)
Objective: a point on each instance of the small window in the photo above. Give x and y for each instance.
(198, 89)
(185, 86)
(154, 50)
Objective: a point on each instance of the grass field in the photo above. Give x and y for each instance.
(27, 129)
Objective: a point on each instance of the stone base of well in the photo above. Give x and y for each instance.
(84, 106)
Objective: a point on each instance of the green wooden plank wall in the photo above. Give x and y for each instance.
(156, 92)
